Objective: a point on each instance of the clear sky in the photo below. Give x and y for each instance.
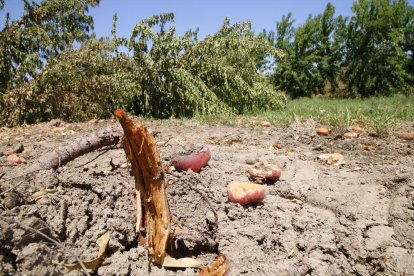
(208, 15)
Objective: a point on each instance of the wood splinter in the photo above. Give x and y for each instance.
(150, 184)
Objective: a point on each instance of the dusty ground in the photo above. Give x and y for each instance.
(356, 218)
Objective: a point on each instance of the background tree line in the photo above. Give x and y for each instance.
(53, 66)
(370, 53)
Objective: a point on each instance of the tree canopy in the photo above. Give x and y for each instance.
(45, 75)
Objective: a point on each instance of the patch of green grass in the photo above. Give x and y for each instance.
(380, 115)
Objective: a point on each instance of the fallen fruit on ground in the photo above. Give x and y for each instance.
(14, 159)
(323, 131)
(194, 161)
(332, 158)
(350, 135)
(245, 192)
(263, 171)
(266, 124)
(407, 136)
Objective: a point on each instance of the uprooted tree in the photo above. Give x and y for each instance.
(75, 76)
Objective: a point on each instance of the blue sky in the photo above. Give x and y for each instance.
(208, 15)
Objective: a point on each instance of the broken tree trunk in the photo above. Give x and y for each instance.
(103, 137)
(150, 183)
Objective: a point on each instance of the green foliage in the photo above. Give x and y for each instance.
(378, 115)
(181, 76)
(314, 56)
(369, 54)
(76, 85)
(42, 32)
(377, 34)
(162, 76)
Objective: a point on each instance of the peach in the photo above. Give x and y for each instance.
(266, 124)
(194, 161)
(350, 135)
(264, 171)
(245, 192)
(407, 136)
(323, 131)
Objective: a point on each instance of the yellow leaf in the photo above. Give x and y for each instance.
(93, 264)
(38, 195)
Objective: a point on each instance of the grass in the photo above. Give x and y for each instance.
(379, 115)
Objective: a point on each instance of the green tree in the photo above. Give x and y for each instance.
(182, 76)
(45, 29)
(314, 54)
(378, 47)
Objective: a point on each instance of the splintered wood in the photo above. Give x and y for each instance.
(150, 184)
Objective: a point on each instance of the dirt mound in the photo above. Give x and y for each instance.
(318, 219)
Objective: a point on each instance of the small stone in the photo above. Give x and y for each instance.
(11, 200)
(18, 148)
(250, 161)
(55, 123)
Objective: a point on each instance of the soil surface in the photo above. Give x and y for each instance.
(354, 218)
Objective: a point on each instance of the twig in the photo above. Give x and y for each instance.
(208, 203)
(58, 244)
(7, 165)
(12, 188)
(96, 157)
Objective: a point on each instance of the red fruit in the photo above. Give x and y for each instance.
(323, 131)
(350, 135)
(407, 136)
(14, 159)
(264, 171)
(266, 124)
(194, 161)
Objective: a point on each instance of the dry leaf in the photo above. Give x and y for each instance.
(180, 263)
(219, 267)
(233, 140)
(332, 158)
(38, 195)
(368, 147)
(93, 264)
(213, 140)
(277, 146)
